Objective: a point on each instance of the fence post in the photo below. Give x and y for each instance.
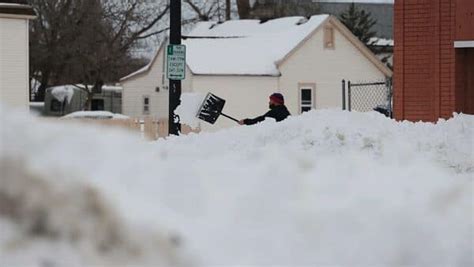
(389, 85)
(349, 96)
(343, 94)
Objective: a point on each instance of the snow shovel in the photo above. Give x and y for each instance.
(211, 109)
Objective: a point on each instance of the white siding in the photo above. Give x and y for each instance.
(326, 68)
(246, 96)
(135, 88)
(14, 62)
(145, 85)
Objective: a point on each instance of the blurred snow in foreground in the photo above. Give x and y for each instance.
(324, 188)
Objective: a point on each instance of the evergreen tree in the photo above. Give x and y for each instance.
(360, 23)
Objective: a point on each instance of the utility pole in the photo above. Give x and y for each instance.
(227, 9)
(174, 126)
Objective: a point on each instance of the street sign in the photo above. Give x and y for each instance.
(176, 55)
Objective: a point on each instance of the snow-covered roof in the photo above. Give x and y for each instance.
(112, 88)
(381, 41)
(246, 47)
(250, 47)
(81, 86)
(17, 8)
(242, 47)
(63, 92)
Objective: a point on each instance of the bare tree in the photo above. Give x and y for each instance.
(271, 9)
(243, 7)
(90, 42)
(208, 10)
(228, 8)
(47, 40)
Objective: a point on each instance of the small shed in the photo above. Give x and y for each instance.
(65, 99)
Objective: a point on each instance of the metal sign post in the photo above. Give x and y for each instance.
(175, 82)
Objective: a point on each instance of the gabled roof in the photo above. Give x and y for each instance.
(242, 47)
(249, 47)
(246, 47)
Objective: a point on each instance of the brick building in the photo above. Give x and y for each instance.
(434, 59)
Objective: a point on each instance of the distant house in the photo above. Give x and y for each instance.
(434, 59)
(244, 61)
(14, 55)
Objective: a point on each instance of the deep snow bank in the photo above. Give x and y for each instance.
(325, 188)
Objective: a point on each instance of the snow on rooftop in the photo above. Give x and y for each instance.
(242, 47)
(247, 47)
(381, 41)
(112, 88)
(62, 93)
(69, 89)
(12, 4)
(246, 28)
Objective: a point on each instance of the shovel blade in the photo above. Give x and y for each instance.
(211, 108)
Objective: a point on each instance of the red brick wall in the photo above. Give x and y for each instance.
(424, 59)
(447, 54)
(465, 20)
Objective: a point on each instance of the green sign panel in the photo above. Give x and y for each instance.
(176, 58)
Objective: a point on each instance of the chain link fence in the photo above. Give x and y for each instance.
(368, 96)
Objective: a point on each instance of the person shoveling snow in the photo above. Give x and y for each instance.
(278, 111)
(213, 105)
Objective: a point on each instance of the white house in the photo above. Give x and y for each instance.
(244, 61)
(14, 55)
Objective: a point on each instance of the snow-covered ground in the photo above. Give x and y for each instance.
(328, 188)
(95, 115)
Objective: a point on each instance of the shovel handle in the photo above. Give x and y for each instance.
(227, 116)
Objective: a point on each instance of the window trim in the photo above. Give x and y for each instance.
(464, 44)
(312, 87)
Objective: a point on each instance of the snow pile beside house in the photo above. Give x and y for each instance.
(189, 108)
(324, 188)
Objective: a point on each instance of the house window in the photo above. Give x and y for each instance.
(329, 38)
(306, 101)
(146, 105)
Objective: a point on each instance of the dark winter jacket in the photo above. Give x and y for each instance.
(279, 113)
